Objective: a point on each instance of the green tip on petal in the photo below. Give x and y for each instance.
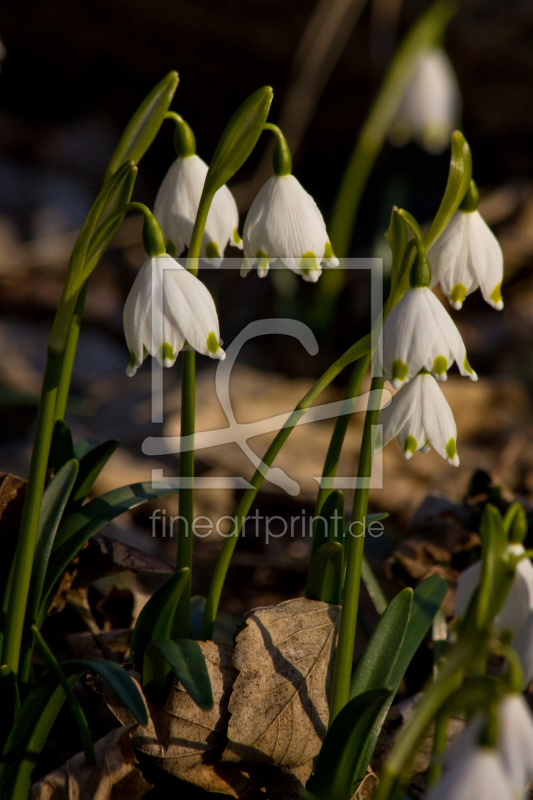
(237, 238)
(167, 354)
(496, 297)
(469, 369)
(212, 343)
(262, 260)
(457, 296)
(211, 250)
(409, 446)
(451, 450)
(131, 369)
(399, 371)
(308, 263)
(328, 251)
(440, 365)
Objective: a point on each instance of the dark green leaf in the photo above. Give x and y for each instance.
(142, 128)
(328, 525)
(27, 738)
(343, 753)
(10, 702)
(83, 524)
(326, 573)
(91, 466)
(119, 681)
(157, 620)
(62, 447)
(188, 664)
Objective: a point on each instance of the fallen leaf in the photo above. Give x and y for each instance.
(279, 705)
(114, 777)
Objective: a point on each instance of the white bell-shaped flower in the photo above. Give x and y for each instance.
(420, 418)
(519, 601)
(515, 742)
(166, 308)
(467, 255)
(176, 206)
(420, 334)
(431, 106)
(285, 222)
(477, 774)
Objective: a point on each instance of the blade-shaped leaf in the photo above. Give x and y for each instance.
(62, 447)
(157, 620)
(10, 702)
(119, 681)
(90, 467)
(344, 750)
(55, 498)
(328, 525)
(142, 128)
(83, 524)
(188, 664)
(326, 573)
(27, 738)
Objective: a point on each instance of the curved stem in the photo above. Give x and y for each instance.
(358, 350)
(70, 354)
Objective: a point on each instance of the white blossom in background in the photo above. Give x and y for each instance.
(477, 774)
(420, 418)
(285, 222)
(166, 308)
(519, 601)
(176, 206)
(420, 334)
(515, 742)
(465, 256)
(431, 106)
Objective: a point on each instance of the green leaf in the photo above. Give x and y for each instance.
(371, 582)
(27, 738)
(343, 752)
(10, 702)
(118, 197)
(83, 524)
(55, 499)
(328, 525)
(157, 620)
(62, 446)
(188, 665)
(91, 465)
(119, 681)
(326, 573)
(458, 182)
(144, 125)
(238, 139)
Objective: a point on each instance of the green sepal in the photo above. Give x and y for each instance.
(184, 138)
(157, 620)
(187, 662)
(344, 749)
(62, 446)
(144, 125)
(28, 736)
(459, 178)
(154, 240)
(238, 139)
(281, 156)
(420, 274)
(326, 573)
(83, 524)
(470, 201)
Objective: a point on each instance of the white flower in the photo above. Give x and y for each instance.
(284, 222)
(420, 418)
(515, 742)
(176, 206)
(465, 256)
(519, 601)
(420, 334)
(523, 644)
(477, 774)
(431, 106)
(166, 308)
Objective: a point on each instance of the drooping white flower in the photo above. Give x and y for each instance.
(515, 742)
(431, 106)
(420, 334)
(176, 206)
(420, 418)
(167, 307)
(519, 601)
(523, 644)
(477, 774)
(285, 222)
(467, 255)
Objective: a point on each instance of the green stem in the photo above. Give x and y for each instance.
(354, 558)
(83, 727)
(425, 31)
(440, 740)
(70, 354)
(358, 350)
(24, 554)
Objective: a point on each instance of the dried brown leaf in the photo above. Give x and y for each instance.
(279, 705)
(114, 777)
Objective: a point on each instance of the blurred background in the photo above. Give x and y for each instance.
(72, 75)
